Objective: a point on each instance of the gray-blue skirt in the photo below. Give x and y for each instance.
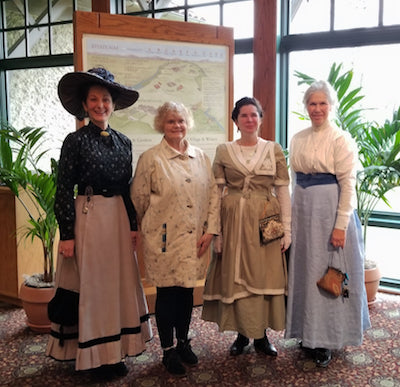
(315, 317)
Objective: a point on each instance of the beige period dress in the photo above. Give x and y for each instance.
(245, 288)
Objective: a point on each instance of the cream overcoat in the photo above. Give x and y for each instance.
(176, 199)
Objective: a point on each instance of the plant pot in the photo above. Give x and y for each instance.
(34, 302)
(372, 278)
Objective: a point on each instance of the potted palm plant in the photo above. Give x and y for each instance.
(34, 188)
(378, 152)
(379, 157)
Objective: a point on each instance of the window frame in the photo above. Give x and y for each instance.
(356, 37)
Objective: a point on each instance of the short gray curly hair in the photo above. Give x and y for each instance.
(176, 107)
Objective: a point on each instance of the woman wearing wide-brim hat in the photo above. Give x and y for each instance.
(97, 222)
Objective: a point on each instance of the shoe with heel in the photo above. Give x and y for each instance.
(264, 346)
(238, 345)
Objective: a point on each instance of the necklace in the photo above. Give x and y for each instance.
(249, 152)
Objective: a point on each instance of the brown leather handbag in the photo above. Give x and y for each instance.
(332, 281)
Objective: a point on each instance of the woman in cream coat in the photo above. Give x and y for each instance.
(177, 203)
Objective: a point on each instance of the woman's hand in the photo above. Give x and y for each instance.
(285, 242)
(338, 238)
(67, 248)
(218, 244)
(203, 244)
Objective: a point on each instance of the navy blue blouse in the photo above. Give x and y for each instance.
(87, 158)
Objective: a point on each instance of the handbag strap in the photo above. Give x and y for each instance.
(267, 203)
(340, 252)
(265, 208)
(341, 258)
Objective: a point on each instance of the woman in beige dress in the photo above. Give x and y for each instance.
(246, 284)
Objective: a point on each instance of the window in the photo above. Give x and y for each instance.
(374, 68)
(309, 16)
(36, 36)
(321, 32)
(383, 252)
(391, 12)
(31, 28)
(356, 14)
(38, 105)
(36, 51)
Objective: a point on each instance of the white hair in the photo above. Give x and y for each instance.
(324, 87)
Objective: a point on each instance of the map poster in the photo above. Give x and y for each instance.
(196, 75)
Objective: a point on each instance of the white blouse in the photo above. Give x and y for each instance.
(328, 149)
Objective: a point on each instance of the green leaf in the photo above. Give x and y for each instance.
(21, 150)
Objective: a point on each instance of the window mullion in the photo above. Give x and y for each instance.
(380, 17)
(49, 14)
(26, 29)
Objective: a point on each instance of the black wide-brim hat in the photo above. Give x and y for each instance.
(71, 86)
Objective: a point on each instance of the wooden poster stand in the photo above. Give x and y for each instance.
(122, 26)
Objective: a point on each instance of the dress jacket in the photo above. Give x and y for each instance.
(247, 267)
(89, 159)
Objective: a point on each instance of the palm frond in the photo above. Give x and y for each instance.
(21, 150)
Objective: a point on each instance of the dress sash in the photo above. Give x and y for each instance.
(308, 179)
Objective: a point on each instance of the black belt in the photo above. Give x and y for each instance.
(104, 191)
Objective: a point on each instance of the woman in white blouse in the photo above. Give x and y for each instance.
(177, 204)
(325, 232)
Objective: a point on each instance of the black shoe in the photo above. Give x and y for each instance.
(185, 352)
(120, 369)
(103, 373)
(238, 345)
(310, 352)
(173, 363)
(263, 345)
(322, 357)
(111, 371)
